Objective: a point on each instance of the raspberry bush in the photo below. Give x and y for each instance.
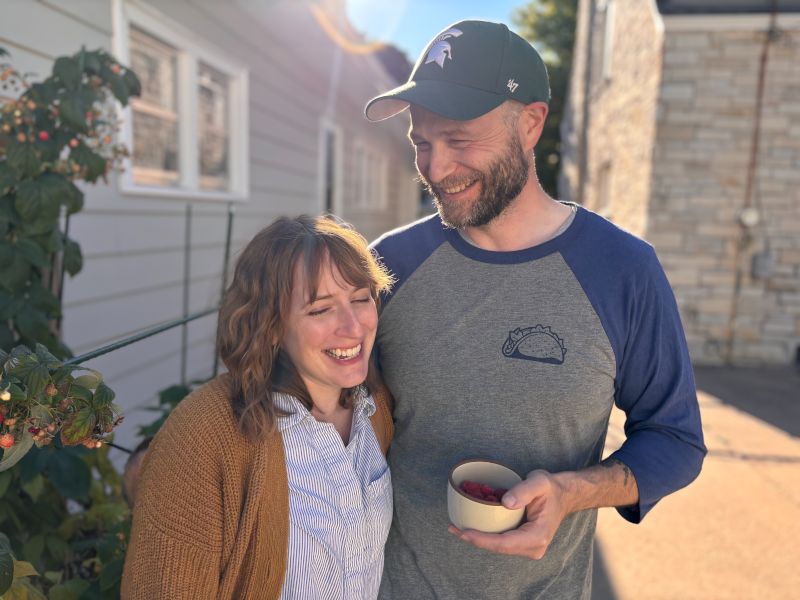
(62, 518)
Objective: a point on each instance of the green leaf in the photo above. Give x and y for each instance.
(36, 200)
(33, 548)
(74, 200)
(5, 480)
(13, 455)
(94, 163)
(133, 83)
(67, 70)
(46, 358)
(92, 62)
(23, 158)
(32, 252)
(34, 488)
(15, 276)
(27, 366)
(117, 85)
(73, 112)
(6, 564)
(34, 325)
(44, 300)
(8, 178)
(78, 426)
(17, 393)
(103, 395)
(24, 569)
(88, 380)
(69, 590)
(80, 393)
(69, 474)
(73, 259)
(6, 254)
(58, 548)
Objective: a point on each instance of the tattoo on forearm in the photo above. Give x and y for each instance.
(613, 462)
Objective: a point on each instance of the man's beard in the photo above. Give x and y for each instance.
(500, 184)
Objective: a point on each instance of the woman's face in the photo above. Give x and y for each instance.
(330, 340)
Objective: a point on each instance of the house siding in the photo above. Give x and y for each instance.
(133, 245)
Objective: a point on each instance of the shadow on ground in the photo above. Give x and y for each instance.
(771, 394)
(601, 584)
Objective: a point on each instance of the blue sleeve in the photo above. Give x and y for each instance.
(654, 383)
(655, 387)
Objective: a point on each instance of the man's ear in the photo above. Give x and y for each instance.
(531, 124)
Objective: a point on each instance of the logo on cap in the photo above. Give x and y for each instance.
(440, 49)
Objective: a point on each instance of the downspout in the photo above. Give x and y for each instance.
(751, 215)
(583, 144)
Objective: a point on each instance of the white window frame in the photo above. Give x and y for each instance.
(327, 125)
(362, 197)
(191, 52)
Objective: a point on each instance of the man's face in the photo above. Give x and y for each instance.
(473, 169)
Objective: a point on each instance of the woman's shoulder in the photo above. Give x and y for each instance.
(206, 407)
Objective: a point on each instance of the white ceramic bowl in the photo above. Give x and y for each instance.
(467, 512)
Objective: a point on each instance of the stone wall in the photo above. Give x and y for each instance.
(622, 95)
(701, 164)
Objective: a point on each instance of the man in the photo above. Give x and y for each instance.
(515, 324)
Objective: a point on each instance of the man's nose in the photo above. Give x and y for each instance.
(441, 164)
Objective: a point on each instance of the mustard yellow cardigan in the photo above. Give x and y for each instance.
(211, 519)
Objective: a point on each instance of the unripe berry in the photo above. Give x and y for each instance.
(51, 428)
(21, 138)
(51, 390)
(11, 422)
(5, 395)
(73, 143)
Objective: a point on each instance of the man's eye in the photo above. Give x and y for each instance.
(367, 299)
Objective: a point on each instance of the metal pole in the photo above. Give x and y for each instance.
(187, 268)
(225, 262)
(61, 275)
(138, 337)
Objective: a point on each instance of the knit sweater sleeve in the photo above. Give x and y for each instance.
(177, 535)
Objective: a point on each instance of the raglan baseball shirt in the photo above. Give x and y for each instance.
(518, 357)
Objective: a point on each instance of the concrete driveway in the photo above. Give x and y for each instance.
(735, 532)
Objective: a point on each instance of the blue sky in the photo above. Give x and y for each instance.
(410, 24)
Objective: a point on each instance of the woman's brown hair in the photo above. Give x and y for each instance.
(257, 302)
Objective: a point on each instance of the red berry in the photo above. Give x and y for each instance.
(481, 491)
(73, 143)
(44, 136)
(6, 440)
(34, 430)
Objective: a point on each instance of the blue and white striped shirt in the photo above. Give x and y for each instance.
(340, 505)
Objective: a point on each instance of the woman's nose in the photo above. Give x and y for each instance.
(349, 323)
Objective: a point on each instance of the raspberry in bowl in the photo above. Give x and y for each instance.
(474, 490)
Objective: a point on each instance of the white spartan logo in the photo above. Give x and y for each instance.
(440, 49)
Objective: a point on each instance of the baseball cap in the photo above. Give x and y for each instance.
(468, 69)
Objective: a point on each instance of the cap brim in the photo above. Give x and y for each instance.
(449, 100)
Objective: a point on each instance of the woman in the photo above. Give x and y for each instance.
(270, 481)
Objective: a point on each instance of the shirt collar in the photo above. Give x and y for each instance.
(363, 404)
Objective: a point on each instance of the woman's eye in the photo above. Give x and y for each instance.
(317, 312)
(364, 300)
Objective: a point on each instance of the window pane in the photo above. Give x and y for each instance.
(154, 114)
(213, 127)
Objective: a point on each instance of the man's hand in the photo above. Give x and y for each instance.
(548, 499)
(543, 497)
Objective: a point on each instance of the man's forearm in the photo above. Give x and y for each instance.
(610, 483)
